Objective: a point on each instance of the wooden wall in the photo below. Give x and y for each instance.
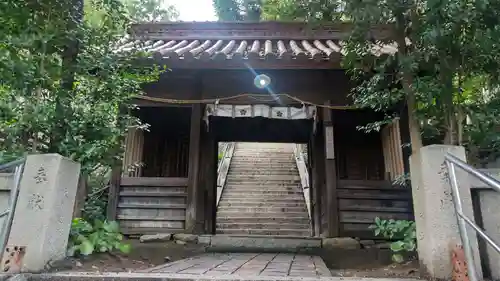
(361, 201)
(152, 198)
(393, 152)
(133, 155)
(363, 191)
(152, 204)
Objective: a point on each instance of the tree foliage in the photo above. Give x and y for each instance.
(150, 10)
(446, 62)
(238, 10)
(64, 88)
(451, 43)
(302, 10)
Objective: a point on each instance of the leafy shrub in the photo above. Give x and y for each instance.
(403, 233)
(101, 236)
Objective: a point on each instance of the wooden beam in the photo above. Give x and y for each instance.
(194, 210)
(114, 192)
(332, 211)
(81, 196)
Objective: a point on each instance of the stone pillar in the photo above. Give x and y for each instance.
(43, 214)
(437, 228)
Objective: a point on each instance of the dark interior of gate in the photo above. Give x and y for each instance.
(168, 180)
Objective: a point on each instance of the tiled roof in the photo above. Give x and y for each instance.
(239, 42)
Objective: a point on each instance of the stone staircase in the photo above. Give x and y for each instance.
(263, 195)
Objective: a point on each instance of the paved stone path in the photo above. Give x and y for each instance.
(247, 264)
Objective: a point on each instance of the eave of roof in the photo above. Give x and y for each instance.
(234, 44)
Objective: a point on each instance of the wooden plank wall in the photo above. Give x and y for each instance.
(393, 153)
(152, 205)
(132, 160)
(165, 156)
(361, 201)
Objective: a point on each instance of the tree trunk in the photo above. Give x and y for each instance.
(69, 66)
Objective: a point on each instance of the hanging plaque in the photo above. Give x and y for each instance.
(329, 143)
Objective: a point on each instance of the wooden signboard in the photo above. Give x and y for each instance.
(329, 144)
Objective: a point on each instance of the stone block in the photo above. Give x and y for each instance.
(262, 243)
(43, 213)
(205, 239)
(188, 238)
(340, 243)
(436, 221)
(159, 237)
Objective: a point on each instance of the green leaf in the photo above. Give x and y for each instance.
(125, 248)
(397, 246)
(397, 258)
(86, 248)
(111, 226)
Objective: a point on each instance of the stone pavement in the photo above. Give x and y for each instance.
(247, 264)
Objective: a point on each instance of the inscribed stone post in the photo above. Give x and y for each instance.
(43, 214)
(437, 228)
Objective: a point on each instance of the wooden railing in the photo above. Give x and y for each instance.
(223, 168)
(304, 174)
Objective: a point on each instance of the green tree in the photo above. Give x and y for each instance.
(441, 46)
(55, 97)
(302, 10)
(238, 10)
(150, 10)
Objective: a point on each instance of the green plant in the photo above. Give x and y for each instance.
(402, 232)
(101, 236)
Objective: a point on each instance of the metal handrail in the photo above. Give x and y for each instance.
(14, 194)
(452, 161)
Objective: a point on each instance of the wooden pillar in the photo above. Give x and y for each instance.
(209, 180)
(318, 178)
(405, 139)
(332, 211)
(114, 192)
(194, 208)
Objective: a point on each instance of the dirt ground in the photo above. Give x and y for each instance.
(142, 256)
(403, 270)
(147, 255)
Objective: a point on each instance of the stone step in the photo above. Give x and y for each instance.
(240, 219)
(256, 163)
(231, 214)
(262, 172)
(271, 177)
(258, 243)
(273, 193)
(259, 225)
(272, 154)
(257, 185)
(280, 232)
(267, 163)
(249, 160)
(253, 169)
(255, 204)
(264, 198)
(252, 210)
(271, 157)
(262, 183)
(260, 189)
